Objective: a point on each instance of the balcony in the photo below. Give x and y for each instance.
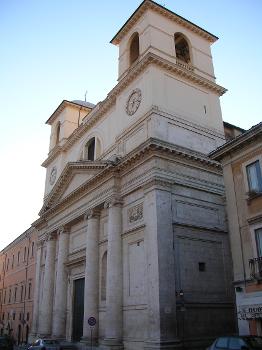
(255, 266)
(184, 65)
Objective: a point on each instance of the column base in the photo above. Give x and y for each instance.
(111, 344)
(59, 337)
(163, 345)
(32, 337)
(87, 341)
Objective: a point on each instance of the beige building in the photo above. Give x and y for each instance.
(17, 276)
(241, 159)
(132, 231)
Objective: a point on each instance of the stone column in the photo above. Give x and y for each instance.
(160, 266)
(59, 314)
(114, 280)
(91, 275)
(34, 329)
(45, 319)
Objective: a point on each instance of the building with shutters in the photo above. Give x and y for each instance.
(241, 159)
(17, 276)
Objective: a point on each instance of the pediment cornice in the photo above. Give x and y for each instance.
(66, 176)
(152, 147)
(101, 108)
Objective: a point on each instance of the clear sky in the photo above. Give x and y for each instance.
(57, 49)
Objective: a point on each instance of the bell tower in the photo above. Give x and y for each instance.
(182, 82)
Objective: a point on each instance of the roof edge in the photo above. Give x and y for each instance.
(154, 5)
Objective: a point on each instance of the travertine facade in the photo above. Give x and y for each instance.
(17, 275)
(132, 230)
(242, 165)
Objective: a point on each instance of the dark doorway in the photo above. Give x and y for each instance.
(19, 335)
(78, 309)
(27, 334)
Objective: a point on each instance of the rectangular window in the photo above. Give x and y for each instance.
(254, 177)
(258, 235)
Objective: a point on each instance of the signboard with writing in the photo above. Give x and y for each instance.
(248, 312)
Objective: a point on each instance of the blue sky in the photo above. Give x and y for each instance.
(57, 49)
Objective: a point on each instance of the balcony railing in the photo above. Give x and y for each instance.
(184, 65)
(255, 266)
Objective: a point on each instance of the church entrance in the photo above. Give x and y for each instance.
(78, 309)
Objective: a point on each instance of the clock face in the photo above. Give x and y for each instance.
(133, 102)
(52, 177)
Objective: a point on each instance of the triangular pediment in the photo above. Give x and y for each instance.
(73, 176)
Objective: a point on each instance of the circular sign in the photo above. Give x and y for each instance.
(91, 321)
(52, 177)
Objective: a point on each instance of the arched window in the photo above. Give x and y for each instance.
(182, 48)
(103, 276)
(134, 49)
(57, 133)
(89, 150)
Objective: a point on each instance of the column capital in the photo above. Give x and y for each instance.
(51, 236)
(39, 244)
(63, 229)
(113, 201)
(91, 214)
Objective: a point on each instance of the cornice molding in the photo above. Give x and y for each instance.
(62, 106)
(101, 108)
(151, 5)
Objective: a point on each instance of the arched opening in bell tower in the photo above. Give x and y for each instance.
(182, 48)
(57, 133)
(134, 48)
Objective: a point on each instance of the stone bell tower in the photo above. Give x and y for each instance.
(180, 81)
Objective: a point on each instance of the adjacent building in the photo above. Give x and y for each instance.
(17, 276)
(241, 159)
(132, 232)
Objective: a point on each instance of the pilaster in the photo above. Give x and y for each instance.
(46, 312)
(36, 305)
(161, 325)
(91, 275)
(114, 281)
(59, 314)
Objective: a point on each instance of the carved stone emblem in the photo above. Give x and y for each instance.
(53, 175)
(133, 102)
(135, 213)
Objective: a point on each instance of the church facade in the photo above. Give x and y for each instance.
(132, 232)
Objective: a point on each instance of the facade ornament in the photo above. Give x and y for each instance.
(135, 213)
